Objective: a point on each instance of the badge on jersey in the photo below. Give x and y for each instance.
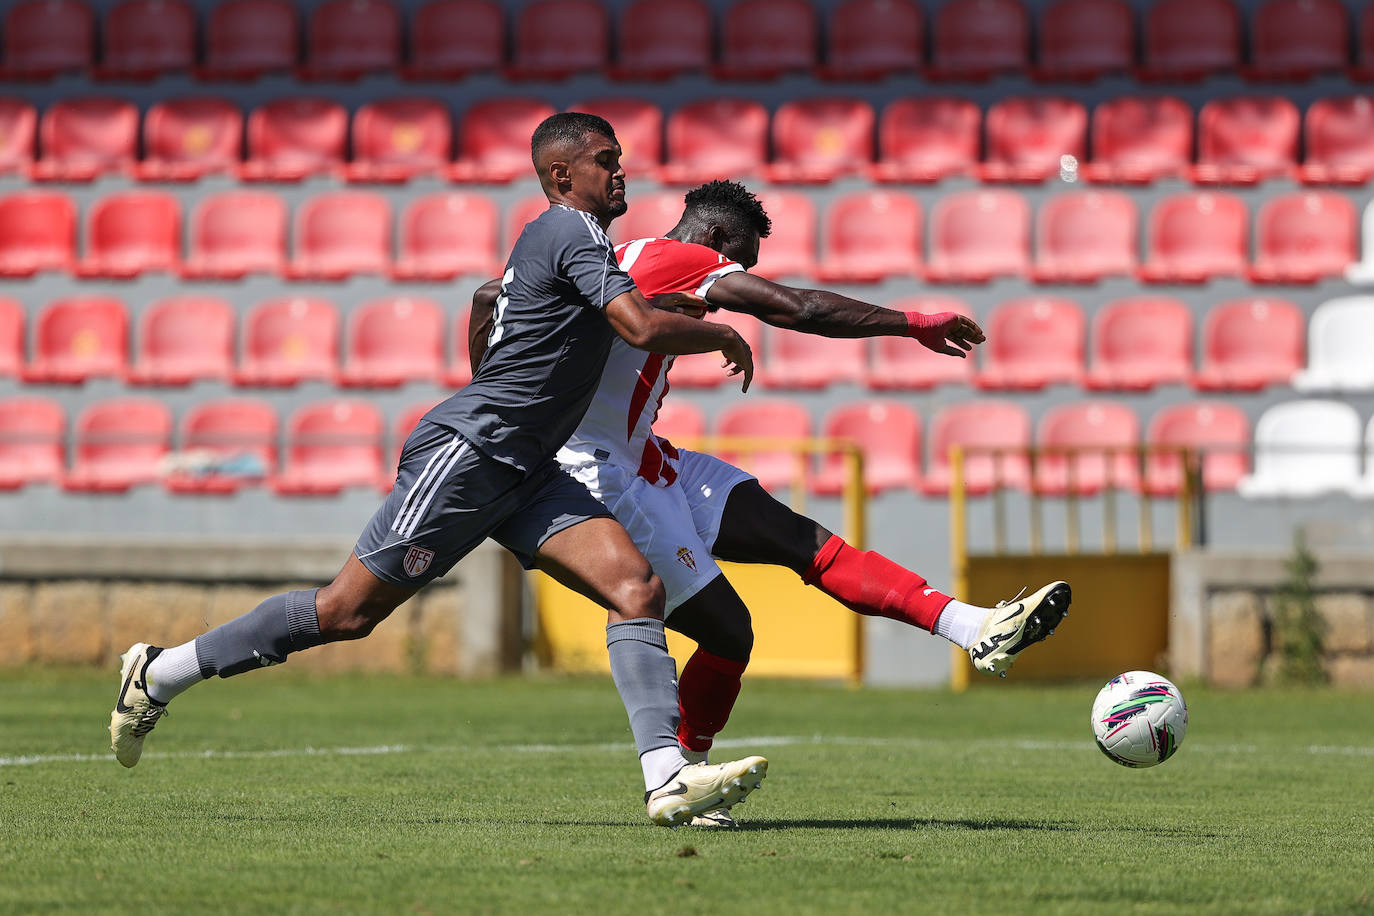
(417, 560)
(684, 556)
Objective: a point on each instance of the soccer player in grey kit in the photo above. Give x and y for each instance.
(481, 464)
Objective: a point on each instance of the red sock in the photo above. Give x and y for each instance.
(706, 693)
(871, 584)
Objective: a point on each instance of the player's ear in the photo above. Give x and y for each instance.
(561, 173)
(717, 237)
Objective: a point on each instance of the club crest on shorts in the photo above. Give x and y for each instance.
(417, 560)
(684, 556)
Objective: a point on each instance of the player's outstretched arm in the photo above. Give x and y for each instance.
(658, 328)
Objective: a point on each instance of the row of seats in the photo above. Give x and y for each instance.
(757, 39)
(1134, 139)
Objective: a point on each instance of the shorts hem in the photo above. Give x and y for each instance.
(381, 573)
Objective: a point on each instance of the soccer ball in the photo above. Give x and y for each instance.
(1139, 719)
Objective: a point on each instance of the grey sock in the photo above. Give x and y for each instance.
(264, 636)
(646, 677)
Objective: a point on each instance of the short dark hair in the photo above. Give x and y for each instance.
(727, 202)
(567, 128)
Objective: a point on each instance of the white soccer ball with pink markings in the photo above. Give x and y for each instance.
(1139, 719)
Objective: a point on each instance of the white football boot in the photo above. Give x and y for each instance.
(135, 712)
(701, 787)
(715, 819)
(1013, 626)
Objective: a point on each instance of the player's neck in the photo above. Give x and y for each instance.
(575, 204)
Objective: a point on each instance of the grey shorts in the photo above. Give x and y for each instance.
(449, 497)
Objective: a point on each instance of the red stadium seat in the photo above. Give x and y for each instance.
(1028, 138)
(132, 232)
(1083, 39)
(808, 361)
(994, 435)
(658, 39)
(1304, 237)
(1141, 342)
(639, 128)
(1250, 343)
(872, 235)
(975, 39)
(927, 138)
(47, 37)
(347, 38)
(762, 39)
(1194, 237)
(332, 445)
(1190, 39)
(1033, 341)
(446, 235)
(1083, 236)
(716, 138)
(776, 469)
(1296, 39)
(818, 140)
(341, 233)
(557, 38)
(1364, 45)
(901, 363)
(1079, 429)
(144, 39)
(234, 233)
(32, 431)
(119, 444)
(18, 135)
(394, 340)
(494, 139)
(78, 338)
(184, 338)
(650, 216)
(680, 422)
(459, 371)
(288, 340)
(1248, 139)
(185, 139)
(238, 432)
(703, 370)
(295, 137)
(11, 337)
(1221, 432)
(790, 250)
(400, 138)
(452, 38)
(1141, 138)
(246, 38)
(871, 39)
(1339, 138)
(37, 232)
(405, 424)
(888, 434)
(977, 235)
(522, 212)
(84, 138)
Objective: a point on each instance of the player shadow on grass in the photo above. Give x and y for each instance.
(908, 823)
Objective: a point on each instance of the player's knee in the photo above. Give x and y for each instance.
(638, 597)
(351, 619)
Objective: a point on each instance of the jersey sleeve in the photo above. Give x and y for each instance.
(669, 266)
(588, 261)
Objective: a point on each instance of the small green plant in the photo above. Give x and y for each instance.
(1298, 628)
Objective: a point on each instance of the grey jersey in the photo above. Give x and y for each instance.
(548, 343)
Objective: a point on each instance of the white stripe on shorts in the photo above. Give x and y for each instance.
(435, 462)
(408, 530)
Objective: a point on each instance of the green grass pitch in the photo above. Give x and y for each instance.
(278, 793)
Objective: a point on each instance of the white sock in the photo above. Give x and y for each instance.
(660, 765)
(959, 623)
(692, 756)
(173, 671)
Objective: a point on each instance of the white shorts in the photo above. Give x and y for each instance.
(673, 526)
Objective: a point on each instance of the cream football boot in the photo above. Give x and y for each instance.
(701, 787)
(1013, 626)
(135, 712)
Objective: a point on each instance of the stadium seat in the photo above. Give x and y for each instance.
(1297, 39)
(494, 139)
(1364, 46)
(1084, 39)
(1192, 238)
(680, 422)
(1304, 237)
(776, 469)
(1083, 236)
(1137, 139)
(1362, 272)
(872, 39)
(901, 363)
(446, 235)
(405, 424)
(888, 434)
(78, 338)
(818, 140)
(1365, 487)
(1190, 39)
(1033, 341)
(927, 138)
(118, 444)
(557, 38)
(1141, 342)
(332, 445)
(657, 39)
(84, 138)
(18, 135)
(1080, 428)
(703, 370)
(184, 338)
(977, 235)
(871, 235)
(294, 138)
(394, 340)
(1247, 139)
(790, 250)
(762, 39)
(144, 39)
(452, 38)
(234, 233)
(976, 39)
(1028, 138)
(47, 37)
(346, 38)
(11, 336)
(650, 216)
(808, 361)
(994, 435)
(459, 370)
(238, 435)
(716, 138)
(397, 139)
(289, 340)
(132, 232)
(341, 233)
(1250, 343)
(185, 139)
(639, 128)
(1338, 135)
(37, 232)
(1338, 346)
(522, 212)
(1304, 448)
(32, 431)
(1219, 431)
(246, 38)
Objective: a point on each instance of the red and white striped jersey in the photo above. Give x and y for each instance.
(618, 424)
